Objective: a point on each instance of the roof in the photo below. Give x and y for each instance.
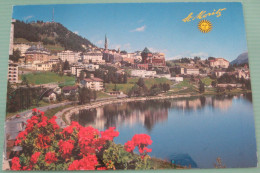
(94, 79)
(37, 49)
(146, 50)
(68, 88)
(216, 59)
(49, 93)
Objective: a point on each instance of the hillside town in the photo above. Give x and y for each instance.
(102, 73)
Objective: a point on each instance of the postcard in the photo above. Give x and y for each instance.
(129, 86)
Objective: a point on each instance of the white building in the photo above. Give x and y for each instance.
(219, 73)
(73, 69)
(46, 66)
(191, 71)
(93, 83)
(70, 56)
(219, 62)
(11, 38)
(177, 79)
(12, 72)
(93, 57)
(143, 73)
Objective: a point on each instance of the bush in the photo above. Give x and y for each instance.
(47, 147)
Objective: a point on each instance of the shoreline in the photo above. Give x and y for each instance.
(64, 116)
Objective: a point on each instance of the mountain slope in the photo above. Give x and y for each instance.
(241, 59)
(50, 34)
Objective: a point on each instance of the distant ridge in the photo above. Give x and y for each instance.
(241, 59)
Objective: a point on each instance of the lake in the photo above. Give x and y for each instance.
(188, 131)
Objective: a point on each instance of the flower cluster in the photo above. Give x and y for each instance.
(46, 147)
(141, 141)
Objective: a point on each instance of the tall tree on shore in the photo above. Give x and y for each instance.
(201, 87)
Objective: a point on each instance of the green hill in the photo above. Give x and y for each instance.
(50, 34)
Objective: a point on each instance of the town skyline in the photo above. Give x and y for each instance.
(134, 32)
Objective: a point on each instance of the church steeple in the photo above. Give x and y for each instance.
(106, 45)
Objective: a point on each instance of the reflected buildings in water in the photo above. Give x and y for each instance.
(124, 114)
(148, 113)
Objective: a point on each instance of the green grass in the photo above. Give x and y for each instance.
(21, 40)
(132, 81)
(48, 77)
(51, 112)
(101, 94)
(206, 80)
(54, 48)
(184, 83)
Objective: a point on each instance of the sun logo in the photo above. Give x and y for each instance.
(204, 26)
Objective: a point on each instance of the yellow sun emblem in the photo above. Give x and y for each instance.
(204, 26)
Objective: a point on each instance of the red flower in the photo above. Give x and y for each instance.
(86, 163)
(34, 118)
(102, 168)
(75, 165)
(109, 134)
(67, 131)
(42, 124)
(52, 121)
(16, 164)
(50, 157)
(129, 146)
(66, 148)
(76, 124)
(88, 140)
(34, 110)
(43, 141)
(141, 141)
(35, 157)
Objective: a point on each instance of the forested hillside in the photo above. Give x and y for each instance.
(50, 34)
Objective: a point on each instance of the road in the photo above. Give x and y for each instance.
(14, 125)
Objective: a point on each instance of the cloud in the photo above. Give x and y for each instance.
(27, 18)
(202, 55)
(140, 21)
(126, 46)
(116, 46)
(76, 32)
(140, 29)
(157, 50)
(100, 42)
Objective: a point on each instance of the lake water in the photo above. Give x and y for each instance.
(194, 131)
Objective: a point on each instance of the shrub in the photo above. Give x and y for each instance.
(47, 147)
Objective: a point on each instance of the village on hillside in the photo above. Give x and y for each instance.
(42, 77)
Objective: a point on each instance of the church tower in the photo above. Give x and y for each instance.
(106, 45)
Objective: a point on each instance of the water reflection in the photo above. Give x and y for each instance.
(149, 113)
(194, 131)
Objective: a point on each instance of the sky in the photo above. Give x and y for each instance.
(158, 26)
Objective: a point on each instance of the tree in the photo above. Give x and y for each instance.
(81, 75)
(16, 55)
(214, 83)
(115, 88)
(66, 65)
(85, 95)
(229, 87)
(94, 94)
(201, 87)
(166, 87)
(125, 78)
(140, 82)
